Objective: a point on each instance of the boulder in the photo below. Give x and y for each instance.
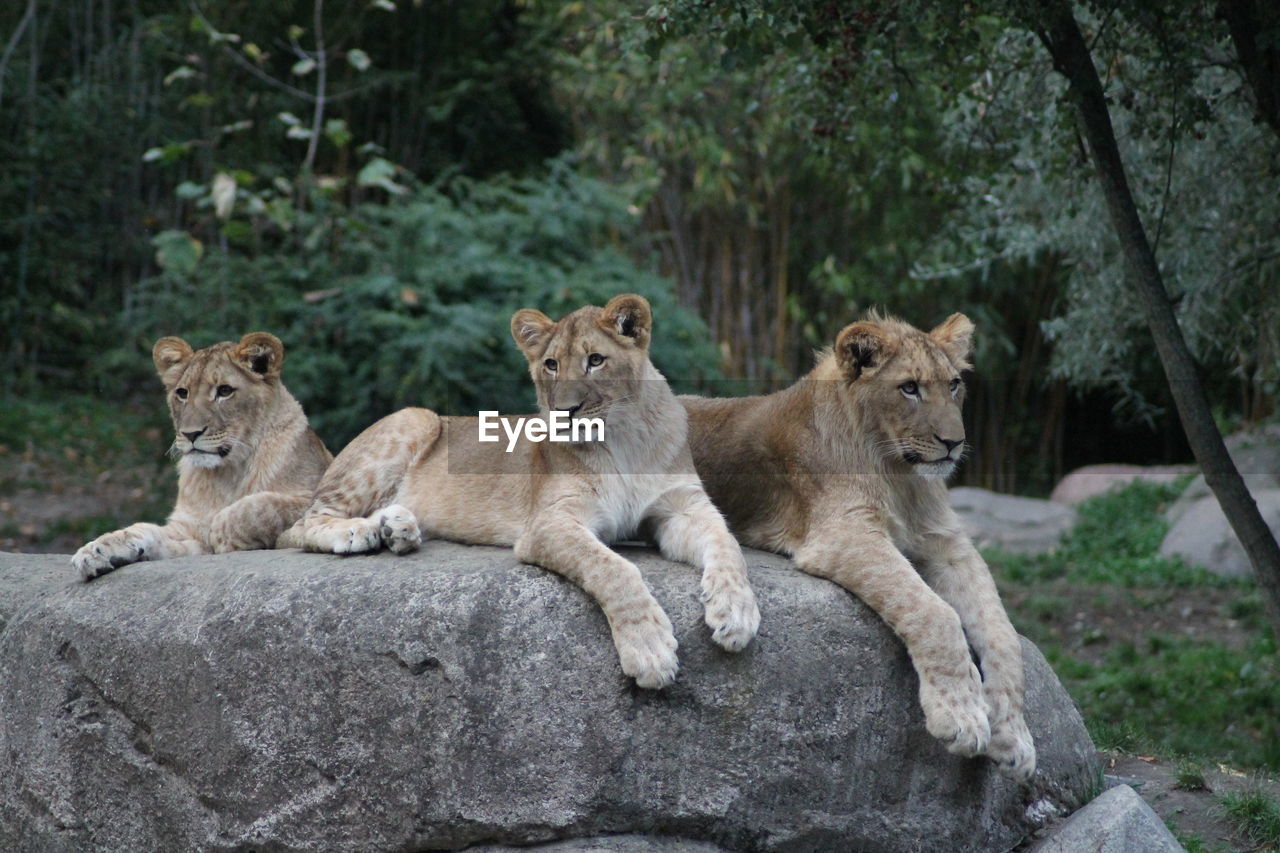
(1093, 480)
(1256, 453)
(1117, 821)
(1202, 536)
(1014, 524)
(454, 697)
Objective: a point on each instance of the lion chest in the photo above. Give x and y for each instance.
(621, 502)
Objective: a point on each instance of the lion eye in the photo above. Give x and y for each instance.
(911, 389)
(955, 385)
(551, 364)
(225, 390)
(181, 393)
(595, 360)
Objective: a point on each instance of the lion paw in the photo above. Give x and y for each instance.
(733, 617)
(647, 652)
(107, 552)
(956, 713)
(398, 529)
(345, 536)
(1012, 749)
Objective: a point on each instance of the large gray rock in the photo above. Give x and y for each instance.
(1014, 524)
(1117, 821)
(1093, 480)
(1256, 453)
(1202, 536)
(284, 701)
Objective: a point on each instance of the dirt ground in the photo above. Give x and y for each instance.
(1193, 812)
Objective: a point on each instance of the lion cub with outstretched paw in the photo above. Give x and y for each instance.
(248, 462)
(415, 472)
(844, 471)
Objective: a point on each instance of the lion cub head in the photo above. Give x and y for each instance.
(218, 396)
(906, 386)
(591, 363)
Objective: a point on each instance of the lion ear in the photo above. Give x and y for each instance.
(628, 315)
(530, 328)
(260, 353)
(862, 346)
(955, 336)
(169, 353)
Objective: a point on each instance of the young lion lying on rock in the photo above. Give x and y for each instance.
(248, 462)
(558, 504)
(844, 471)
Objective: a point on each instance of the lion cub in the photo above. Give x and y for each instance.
(248, 463)
(844, 471)
(558, 504)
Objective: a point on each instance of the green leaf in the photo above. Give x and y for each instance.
(379, 172)
(289, 118)
(224, 195)
(303, 66)
(177, 251)
(359, 59)
(337, 132)
(188, 190)
(182, 72)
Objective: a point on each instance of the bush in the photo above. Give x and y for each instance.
(409, 303)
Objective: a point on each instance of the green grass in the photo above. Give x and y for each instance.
(1189, 776)
(1254, 815)
(1116, 542)
(1162, 693)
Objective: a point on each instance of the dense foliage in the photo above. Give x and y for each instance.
(786, 165)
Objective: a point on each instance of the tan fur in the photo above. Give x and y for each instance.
(415, 473)
(248, 462)
(844, 472)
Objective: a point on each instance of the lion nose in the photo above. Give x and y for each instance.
(949, 444)
(193, 434)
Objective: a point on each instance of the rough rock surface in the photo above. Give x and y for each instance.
(1203, 537)
(284, 701)
(1015, 524)
(1117, 821)
(1093, 480)
(1257, 456)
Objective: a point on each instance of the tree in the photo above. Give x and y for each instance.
(1055, 25)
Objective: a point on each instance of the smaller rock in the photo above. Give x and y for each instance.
(1116, 821)
(1256, 453)
(1202, 536)
(1015, 524)
(1093, 480)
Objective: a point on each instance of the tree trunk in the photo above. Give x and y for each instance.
(1057, 28)
(1255, 31)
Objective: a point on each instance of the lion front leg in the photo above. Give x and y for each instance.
(687, 527)
(642, 633)
(255, 522)
(957, 572)
(132, 544)
(871, 568)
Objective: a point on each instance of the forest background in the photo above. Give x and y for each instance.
(382, 183)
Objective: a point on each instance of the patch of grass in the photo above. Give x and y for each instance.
(1116, 542)
(1189, 777)
(1192, 842)
(1194, 697)
(1255, 815)
(84, 434)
